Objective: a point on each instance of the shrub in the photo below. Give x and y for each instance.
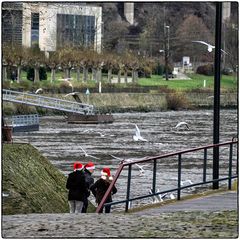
(6, 84)
(176, 101)
(24, 109)
(42, 73)
(206, 70)
(64, 87)
(158, 70)
(170, 69)
(227, 71)
(25, 85)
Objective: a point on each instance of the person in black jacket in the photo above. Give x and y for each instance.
(100, 187)
(88, 171)
(77, 188)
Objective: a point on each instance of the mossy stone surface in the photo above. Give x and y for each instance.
(30, 183)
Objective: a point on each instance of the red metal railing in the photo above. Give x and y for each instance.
(125, 163)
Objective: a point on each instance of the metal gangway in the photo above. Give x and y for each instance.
(47, 102)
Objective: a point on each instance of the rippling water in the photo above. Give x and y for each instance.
(61, 143)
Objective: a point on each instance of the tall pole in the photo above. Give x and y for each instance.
(166, 48)
(217, 78)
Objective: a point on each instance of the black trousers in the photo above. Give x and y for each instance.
(85, 205)
(107, 209)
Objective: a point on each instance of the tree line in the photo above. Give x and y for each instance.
(82, 60)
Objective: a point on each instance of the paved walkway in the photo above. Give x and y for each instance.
(219, 201)
(212, 216)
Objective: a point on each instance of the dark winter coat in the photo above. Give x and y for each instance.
(100, 187)
(77, 186)
(89, 180)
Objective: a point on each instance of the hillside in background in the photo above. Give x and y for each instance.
(188, 21)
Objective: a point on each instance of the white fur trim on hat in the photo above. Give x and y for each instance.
(103, 173)
(90, 168)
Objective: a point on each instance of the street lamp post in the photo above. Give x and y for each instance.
(166, 46)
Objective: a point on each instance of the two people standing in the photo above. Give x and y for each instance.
(80, 182)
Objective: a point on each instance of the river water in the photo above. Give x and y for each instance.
(62, 144)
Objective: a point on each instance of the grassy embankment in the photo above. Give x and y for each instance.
(32, 184)
(160, 95)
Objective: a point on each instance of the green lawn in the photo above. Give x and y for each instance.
(196, 82)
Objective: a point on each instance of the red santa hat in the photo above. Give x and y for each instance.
(106, 173)
(90, 166)
(77, 166)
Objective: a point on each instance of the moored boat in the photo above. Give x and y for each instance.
(89, 119)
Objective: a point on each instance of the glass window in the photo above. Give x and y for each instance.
(35, 29)
(76, 30)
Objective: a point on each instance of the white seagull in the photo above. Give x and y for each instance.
(182, 124)
(184, 182)
(210, 47)
(38, 90)
(75, 96)
(137, 136)
(71, 94)
(187, 182)
(142, 171)
(88, 155)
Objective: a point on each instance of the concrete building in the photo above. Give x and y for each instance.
(52, 24)
(129, 12)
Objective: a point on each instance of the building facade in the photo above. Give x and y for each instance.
(52, 24)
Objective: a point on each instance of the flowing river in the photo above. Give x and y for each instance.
(62, 144)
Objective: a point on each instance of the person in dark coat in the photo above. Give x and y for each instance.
(77, 188)
(100, 187)
(88, 171)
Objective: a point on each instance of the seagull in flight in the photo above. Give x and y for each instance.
(88, 155)
(182, 124)
(38, 90)
(210, 47)
(75, 96)
(141, 170)
(137, 136)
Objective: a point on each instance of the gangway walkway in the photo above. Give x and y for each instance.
(47, 102)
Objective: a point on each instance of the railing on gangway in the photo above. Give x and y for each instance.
(25, 120)
(47, 102)
(128, 163)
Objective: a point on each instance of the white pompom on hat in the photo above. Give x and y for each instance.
(106, 173)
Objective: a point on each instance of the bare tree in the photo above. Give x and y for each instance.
(192, 29)
(35, 58)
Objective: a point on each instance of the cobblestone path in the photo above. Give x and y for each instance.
(211, 223)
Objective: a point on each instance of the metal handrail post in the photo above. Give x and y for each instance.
(154, 176)
(230, 167)
(179, 175)
(205, 165)
(128, 186)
